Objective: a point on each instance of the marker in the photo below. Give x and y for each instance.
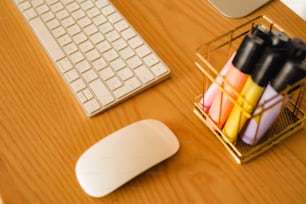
(209, 95)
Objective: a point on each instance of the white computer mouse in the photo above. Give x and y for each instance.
(124, 154)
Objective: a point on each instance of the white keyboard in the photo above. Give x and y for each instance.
(100, 56)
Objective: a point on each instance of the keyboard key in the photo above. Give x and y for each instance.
(64, 65)
(76, 57)
(58, 32)
(159, 69)
(93, 55)
(67, 22)
(50, 2)
(121, 25)
(29, 14)
(79, 38)
(88, 94)
(114, 18)
(86, 46)
(99, 64)
(90, 75)
(135, 42)
(93, 12)
(81, 96)
(101, 3)
(72, 7)
(92, 106)
(108, 10)
(64, 40)
(73, 30)
(87, 5)
(127, 53)
(144, 74)
(83, 22)
(24, 6)
(114, 83)
(112, 36)
(150, 60)
(125, 74)
(57, 7)
(36, 3)
(70, 48)
(97, 38)
(78, 85)
(129, 86)
(53, 24)
(90, 30)
(104, 46)
(47, 16)
(71, 75)
(65, 2)
(119, 44)
(78, 14)
(110, 55)
(106, 73)
(46, 39)
(83, 66)
(106, 27)
(62, 14)
(99, 20)
(42, 9)
(134, 62)
(143, 51)
(128, 34)
(102, 93)
(118, 64)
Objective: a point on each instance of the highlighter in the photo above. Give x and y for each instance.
(209, 95)
(297, 50)
(272, 102)
(239, 70)
(273, 58)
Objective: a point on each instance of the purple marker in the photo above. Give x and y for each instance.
(272, 102)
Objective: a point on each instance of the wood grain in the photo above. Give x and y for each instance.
(43, 131)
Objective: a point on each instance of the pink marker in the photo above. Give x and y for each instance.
(209, 95)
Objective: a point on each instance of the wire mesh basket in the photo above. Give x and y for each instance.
(210, 58)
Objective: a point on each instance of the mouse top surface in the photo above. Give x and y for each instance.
(124, 154)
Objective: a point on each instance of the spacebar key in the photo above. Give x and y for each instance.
(46, 39)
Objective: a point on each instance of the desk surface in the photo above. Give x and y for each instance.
(43, 131)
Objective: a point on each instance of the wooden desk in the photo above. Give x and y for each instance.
(43, 131)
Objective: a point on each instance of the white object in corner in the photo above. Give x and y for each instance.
(298, 6)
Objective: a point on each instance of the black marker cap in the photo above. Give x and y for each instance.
(248, 53)
(297, 50)
(291, 72)
(262, 32)
(279, 39)
(273, 58)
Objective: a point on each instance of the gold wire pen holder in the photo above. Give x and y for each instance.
(211, 57)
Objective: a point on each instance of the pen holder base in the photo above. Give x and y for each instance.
(287, 123)
(210, 58)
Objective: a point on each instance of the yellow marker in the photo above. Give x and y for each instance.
(250, 94)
